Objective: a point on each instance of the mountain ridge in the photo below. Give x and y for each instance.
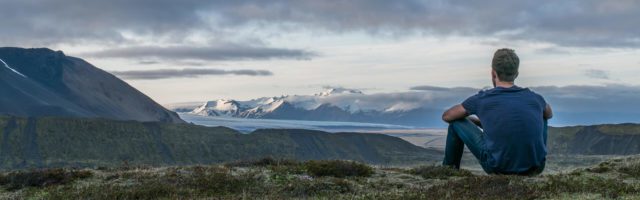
(42, 82)
(89, 142)
(604, 139)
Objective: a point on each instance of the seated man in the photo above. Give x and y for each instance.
(513, 120)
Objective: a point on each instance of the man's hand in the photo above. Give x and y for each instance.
(454, 113)
(548, 113)
(475, 120)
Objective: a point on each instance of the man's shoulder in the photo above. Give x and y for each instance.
(498, 92)
(486, 92)
(533, 93)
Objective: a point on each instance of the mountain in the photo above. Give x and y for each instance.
(84, 142)
(43, 82)
(334, 104)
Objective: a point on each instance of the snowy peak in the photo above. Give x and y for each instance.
(269, 100)
(220, 107)
(273, 105)
(338, 91)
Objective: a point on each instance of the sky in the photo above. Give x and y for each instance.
(193, 51)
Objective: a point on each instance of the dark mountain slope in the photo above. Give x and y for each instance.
(24, 97)
(48, 83)
(373, 148)
(53, 141)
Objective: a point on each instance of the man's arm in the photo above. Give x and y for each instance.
(548, 113)
(454, 113)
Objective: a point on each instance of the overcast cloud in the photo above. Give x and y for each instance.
(573, 105)
(184, 73)
(383, 44)
(597, 74)
(597, 23)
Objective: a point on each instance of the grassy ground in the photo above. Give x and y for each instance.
(329, 179)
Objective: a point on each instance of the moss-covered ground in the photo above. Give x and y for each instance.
(321, 179)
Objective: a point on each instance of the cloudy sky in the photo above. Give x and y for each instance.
(191, 50)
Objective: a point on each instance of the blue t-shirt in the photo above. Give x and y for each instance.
(512, 120)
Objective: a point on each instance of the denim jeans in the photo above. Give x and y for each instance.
(463, 132)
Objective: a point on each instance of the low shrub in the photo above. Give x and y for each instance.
(610, 188)
(631, 169)
(484, 187)
(337, 168)
(439, 172)
(317, 187)
(601, 168)
(147, 189)
(268, 161)
(40, 178)
(217, 181)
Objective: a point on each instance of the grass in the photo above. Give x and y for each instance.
(439, 172)
(338, 168)
(605, 187)
(41, 178)
(485, 187)
(319, 179)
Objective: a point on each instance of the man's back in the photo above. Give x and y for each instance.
(513, 123)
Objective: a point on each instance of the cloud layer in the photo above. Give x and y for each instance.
(225, 52)
(573, 105)
(591, 23)
(184, 73)
(597, 74)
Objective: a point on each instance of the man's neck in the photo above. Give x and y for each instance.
(504, 84)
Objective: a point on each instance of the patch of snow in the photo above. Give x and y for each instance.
(402, 106)
(273, 105)
(7, 66)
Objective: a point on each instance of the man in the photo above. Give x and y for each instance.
(513, 120)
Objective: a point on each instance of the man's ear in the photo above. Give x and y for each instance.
(493, 74)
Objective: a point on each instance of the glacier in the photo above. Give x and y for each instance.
(248, 125)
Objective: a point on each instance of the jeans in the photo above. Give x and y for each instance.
(463, 132)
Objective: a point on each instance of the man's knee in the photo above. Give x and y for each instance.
(462, 123)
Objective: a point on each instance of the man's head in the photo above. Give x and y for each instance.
(505, 65)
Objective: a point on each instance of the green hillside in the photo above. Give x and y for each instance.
(607, 139)
(56, 142)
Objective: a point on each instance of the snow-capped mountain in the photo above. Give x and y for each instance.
(338, 91)
(333, 104)
(220, 107)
